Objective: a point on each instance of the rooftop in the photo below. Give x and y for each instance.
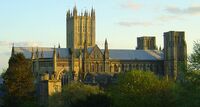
(119, 54)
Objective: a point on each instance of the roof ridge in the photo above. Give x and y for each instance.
(40, 47)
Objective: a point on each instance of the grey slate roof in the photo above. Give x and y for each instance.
(135, 54)
(118, 54)
(47, 52)
(90, 49)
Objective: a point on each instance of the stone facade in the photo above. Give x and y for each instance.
(175, 53)
(47, 87)
(146, 43)
(80, 28)
(84, 61)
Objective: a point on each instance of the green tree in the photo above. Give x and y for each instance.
(76, 94)
(193, 72)
(94, 100)
(1, 92)
(194, 58)
(18, 81)
(141, 89)
(188, 93)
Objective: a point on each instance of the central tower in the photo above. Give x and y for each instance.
(80, 28)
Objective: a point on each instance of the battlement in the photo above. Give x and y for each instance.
(74, 13)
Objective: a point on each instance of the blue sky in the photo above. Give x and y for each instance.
(43, 23)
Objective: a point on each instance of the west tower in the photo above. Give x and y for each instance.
(80, 28)
(175, 53)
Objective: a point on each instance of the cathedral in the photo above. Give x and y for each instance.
(82, 60)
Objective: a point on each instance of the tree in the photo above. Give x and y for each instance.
(194, 59)
(193, 72)
(18, 81)
(189, 93)
(77, 94)
(2, 89)
(94, 100)
(141, 89)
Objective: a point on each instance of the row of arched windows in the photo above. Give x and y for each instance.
(99, 67)
(129, 67)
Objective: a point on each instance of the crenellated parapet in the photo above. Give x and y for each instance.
(74, 13)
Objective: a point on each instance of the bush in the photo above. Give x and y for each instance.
(78, 94)
(142, 89)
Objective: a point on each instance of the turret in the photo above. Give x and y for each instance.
(106, 57)
(54, 59)
(42, 54)
(85, 49)
(86, 13)
(85, 54)
(80, 74)
(32, 58)
(160, 49)
(93, 26)
(93, 13)
(32, 54)
(37, 53)
(68, 13)
(106, 52)
(75, 11)
(58, 54)
(59, 45)
(72, 62)
(37, 61)
(13, 50)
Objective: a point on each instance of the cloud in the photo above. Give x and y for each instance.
(28, 44)
(20, 44)
(169, 18)
(131, 5)
(5, 53)
(129, 24)
(192, 10)
(4, 43)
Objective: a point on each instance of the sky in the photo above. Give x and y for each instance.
(28, 23)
